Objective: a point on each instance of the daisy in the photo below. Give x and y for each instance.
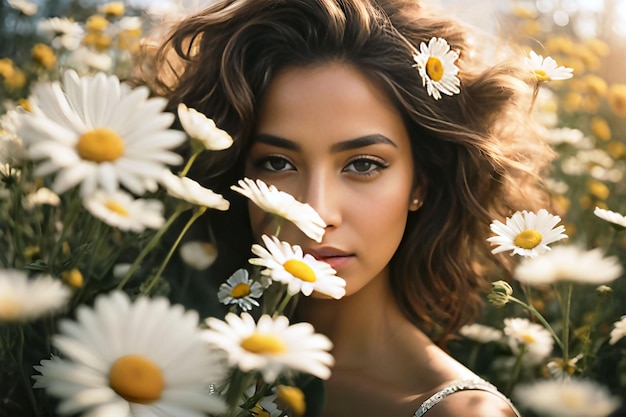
(569, 263)
(23, 299)
(197, 254)
(537, 340)
(546, 69)
(191, 191)
(271, 346)
(610, 216)
(41, 196)
(126, 358)
(283, 204)
(203, 129)
(85, 60)
(526, 233)
(436, 65)
(619, 330)
(567, 398)
(23, 6)
(122, 211)
(481, 333)
(240, 290)
(61, 32)
(98, 132)
(301, 272)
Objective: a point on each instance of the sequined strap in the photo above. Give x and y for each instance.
(463, 385)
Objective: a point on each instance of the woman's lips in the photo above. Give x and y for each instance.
(334, 257)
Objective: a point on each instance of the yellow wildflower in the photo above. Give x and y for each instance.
(600, 128)
(44, 55)
(96, 23)
(599, 47)
(293, 397)
(113, 9)
(6, 67)
(595, 85)
(25, 104)
(73, 278)
(598, 189)
(572, 102)
(559, 44)
(617, 99)
(16, 80)
(616, 149)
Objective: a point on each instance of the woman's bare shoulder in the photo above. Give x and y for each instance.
(472, 403)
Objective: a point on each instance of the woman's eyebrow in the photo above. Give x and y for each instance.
(346, 145)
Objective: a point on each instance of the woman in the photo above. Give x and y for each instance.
(406, 158)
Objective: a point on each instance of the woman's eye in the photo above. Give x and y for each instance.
(365, 166)
(276, 164)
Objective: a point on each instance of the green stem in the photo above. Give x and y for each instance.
(189, 164)
(72, 212)
(542, 319)
(516, 371)
(25, 380)
(154, 279)
(151, 245)
(567, 307)
(283, 304)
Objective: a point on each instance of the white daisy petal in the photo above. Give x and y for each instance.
(546, 69)
(526, 233)
(189, 190)
(269, 346)
(610, 216)
(203, 129)
(436, 65)
(537, 340)
(271, 200)
(572, 397)
(571, 264)
(111, 370)
(96, 119)
(23, 298)
(301, 273)
(619, 330)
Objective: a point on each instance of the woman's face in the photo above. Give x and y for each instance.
(331, 138)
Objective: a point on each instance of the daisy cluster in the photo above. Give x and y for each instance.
(92, 179)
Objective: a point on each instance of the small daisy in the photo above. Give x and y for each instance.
(123, 358)
(271, 346)
(537, 340)
(240, 290)
(569, 263)
(283, 204)
(23, 299)
(23, 6)
(197, 254)
(191, 191)
(619, 330)
(61, 32)
(559, 369)
(436, 65)
(97, 132)
(610, 216)
(41, 196)
(481, 333)
(546, 69)
(526, 233)
(120, 210)
(301, 272)
(203, 129)
(85, 60)
(567, 398)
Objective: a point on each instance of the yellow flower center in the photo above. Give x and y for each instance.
(300, 270)
(528, 239)
(528, 338)
(136, 379)
(116, 208)
(100, 145)
(434, 69)
(572, 400)
(9, 309)
(542, 76)
(293, 397)
(259, 411)
(262, 343)
(240, 290)
(73, 278)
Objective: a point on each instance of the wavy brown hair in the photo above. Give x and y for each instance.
(477, 154)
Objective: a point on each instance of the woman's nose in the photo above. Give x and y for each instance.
(324, 196)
